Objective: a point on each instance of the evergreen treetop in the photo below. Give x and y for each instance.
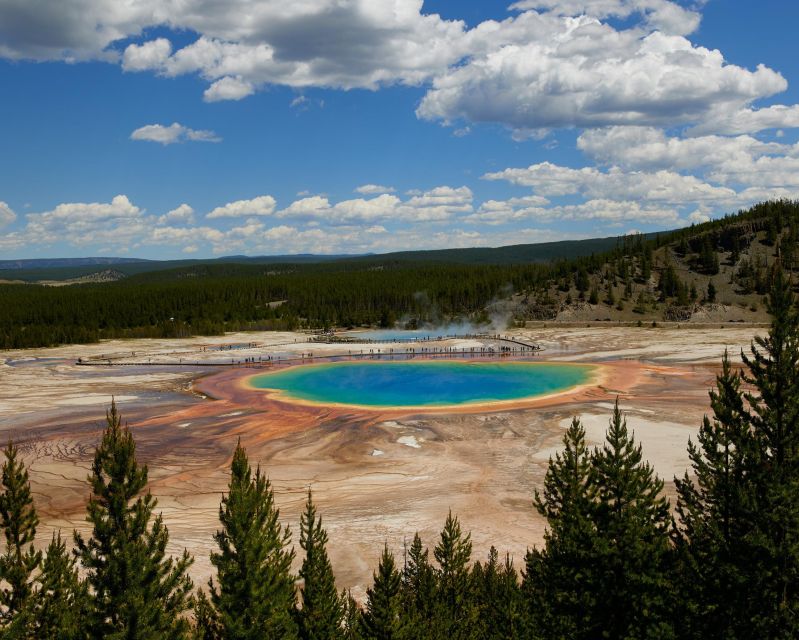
(18, 520)
(383, 617)
(137, 590)
(320, 617)
(253, 594)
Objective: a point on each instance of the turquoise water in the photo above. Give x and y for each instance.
(422, 384)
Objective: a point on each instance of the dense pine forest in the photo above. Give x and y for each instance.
(666, 277)
(618, 561)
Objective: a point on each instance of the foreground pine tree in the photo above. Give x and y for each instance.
(384, 618)
(18, 520)
(137, 591)
(350, 617)
(320, 617)
(456, 606)
(61, 605)
(604, 568)
(419, 591)
(716, 509)
(496, 589)
(773, 371)
(632, 556)
(558, 584)
(253, 596)
(738, 539)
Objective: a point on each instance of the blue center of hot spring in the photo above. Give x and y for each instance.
(422, 384)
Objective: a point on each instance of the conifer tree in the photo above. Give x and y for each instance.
(499, 599)
(320, 617)
(716, 509)
(419, 589)
(60, 607)
(206, 623)
(383, 618)
(253, 596)
(558, 584)
(631, 557)
(738, 539)
(136, 590)
(18, 520)
(773, 371)
(351, 616)
(457, 610)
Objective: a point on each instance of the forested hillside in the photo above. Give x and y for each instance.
(678, 276)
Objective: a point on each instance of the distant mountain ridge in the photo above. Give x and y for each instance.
(51, 263)
(68, 268)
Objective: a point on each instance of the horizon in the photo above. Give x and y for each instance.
(167, 133)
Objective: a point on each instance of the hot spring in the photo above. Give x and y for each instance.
(422, 383)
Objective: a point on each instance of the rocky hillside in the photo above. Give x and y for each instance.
(715, 272)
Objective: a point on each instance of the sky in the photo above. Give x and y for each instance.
(200, 128)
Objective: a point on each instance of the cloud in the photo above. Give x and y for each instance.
(550, 64)
(373, 189)
(599, 209)
(7, 215)
(435, 205)
(740, 160)
(748, 120)
(81, 223)
(183, 214)
(650, 148)
(150, 55)
(175, 132)
(299, 102)
(661, 15)
(663, 186)
(260, 206)
(580, 72)
(228, 88)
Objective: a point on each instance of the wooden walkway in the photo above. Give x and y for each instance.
(505, 347)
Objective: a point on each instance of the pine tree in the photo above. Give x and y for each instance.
(254, 593)
(716, 511)
(18, 520)
(419, 591)
(632, 554)
(773, 371)
(711, 292)
(320, 617)
(61, 605)
(383, 618)
(457, 610)
(206, 623)
(558, 584)
(351, 616)
(136, 590)
(499, 599)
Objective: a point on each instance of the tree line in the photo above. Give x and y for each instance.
(212, 299)
(616, 562)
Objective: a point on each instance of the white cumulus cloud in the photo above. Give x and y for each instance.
(7, 215)
(173, 133)
(150, 55)
(182, 214)
(588, 74)
(662, 15)
(228, 88)
(373, 189)
(260, 206)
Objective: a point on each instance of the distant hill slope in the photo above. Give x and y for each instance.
(55, 263)
(38, 270)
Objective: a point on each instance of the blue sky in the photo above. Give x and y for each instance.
(166, 129)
